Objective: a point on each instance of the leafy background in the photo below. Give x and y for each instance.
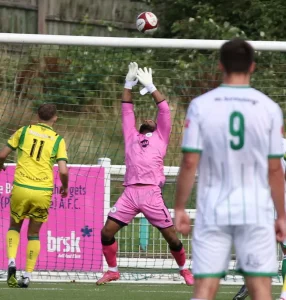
(86, 82)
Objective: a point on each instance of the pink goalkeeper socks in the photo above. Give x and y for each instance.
(180, 257)
(109, 253)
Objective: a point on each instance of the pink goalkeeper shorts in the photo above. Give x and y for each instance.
(146, 199)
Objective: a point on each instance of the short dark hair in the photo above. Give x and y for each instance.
(47, 111)
(236, 56)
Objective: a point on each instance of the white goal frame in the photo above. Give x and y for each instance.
(7, 38)
(42, 39)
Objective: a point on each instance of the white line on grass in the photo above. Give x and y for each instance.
(54, 289)
(179, 292)
(133, 282)
(104, 290)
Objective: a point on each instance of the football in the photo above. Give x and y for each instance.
(147, 22)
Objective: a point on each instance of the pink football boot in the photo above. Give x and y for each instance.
(188, 276)
(107, 277)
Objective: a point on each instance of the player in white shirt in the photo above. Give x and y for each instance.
(283, 244)
(233, 134)
(243, 292)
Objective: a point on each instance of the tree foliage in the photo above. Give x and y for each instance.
(223, 19)
(86, 82)
(255, 19)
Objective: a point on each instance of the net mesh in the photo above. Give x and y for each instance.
(86, 84)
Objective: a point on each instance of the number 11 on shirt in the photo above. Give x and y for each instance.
(35, 142)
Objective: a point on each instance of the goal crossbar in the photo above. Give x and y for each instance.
(120, 42)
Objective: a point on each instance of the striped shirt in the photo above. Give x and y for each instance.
(236, 129)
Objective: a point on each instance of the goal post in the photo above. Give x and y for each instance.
(84, 76)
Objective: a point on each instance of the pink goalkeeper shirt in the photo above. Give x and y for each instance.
(144, 153)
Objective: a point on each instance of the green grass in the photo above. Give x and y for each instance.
(117, 291)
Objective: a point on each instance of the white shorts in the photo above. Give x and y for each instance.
(255, 247)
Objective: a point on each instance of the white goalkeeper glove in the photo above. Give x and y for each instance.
(145, 77)
(131, 79)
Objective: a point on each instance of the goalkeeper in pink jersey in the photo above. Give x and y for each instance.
(144, 158)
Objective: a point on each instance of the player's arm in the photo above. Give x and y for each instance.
(192, 148)
(64, 177)
(276, 182)
(128, 116)
(12, 145)
(284, 159)
(186, 179)
(62, 160)
(275, 173)
(164, 115)
(5, 151)
(164, 122)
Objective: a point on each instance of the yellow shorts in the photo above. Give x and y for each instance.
(29, 203)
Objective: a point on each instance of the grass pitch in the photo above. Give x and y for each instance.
(116, 291)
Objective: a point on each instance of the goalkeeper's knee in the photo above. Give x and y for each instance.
(107, 236)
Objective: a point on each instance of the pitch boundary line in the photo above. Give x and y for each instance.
(104, 290)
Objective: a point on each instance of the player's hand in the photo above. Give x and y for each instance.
(146, 79)
(182, 222)
(2, 168)
(280, 229)
(64, 192)
(131, 79)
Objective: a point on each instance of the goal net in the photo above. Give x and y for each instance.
(84, 76)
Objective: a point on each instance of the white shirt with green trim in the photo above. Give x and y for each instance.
(284, 157)
(236, 129)
(283, 160)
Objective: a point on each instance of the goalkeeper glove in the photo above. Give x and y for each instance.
(131, 79)
(145, 77)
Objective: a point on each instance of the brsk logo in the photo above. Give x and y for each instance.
(67, 244)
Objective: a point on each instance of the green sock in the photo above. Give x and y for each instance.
(284, 267)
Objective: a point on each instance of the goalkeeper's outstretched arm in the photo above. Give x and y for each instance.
(164, 115)
(164, 123)
(127, 96)
(130, 81)
(128, 116)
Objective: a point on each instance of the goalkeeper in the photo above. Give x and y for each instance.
(144, 158)
(38, 147)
